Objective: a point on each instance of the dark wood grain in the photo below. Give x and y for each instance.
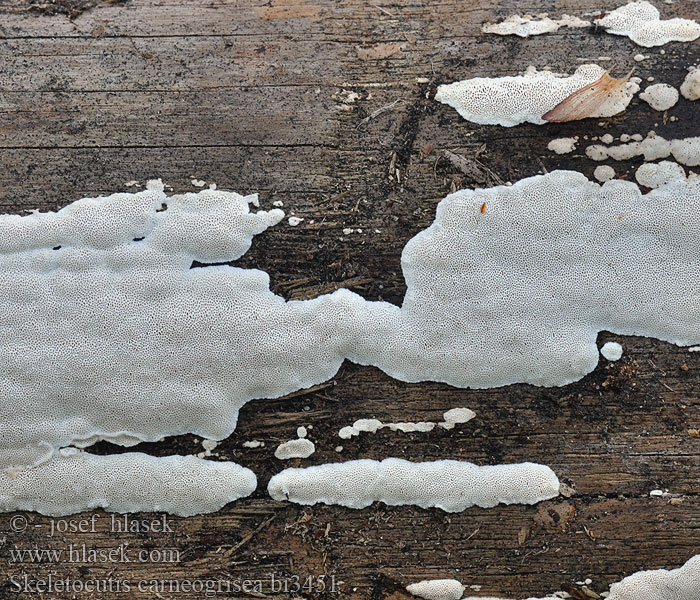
(250, 95)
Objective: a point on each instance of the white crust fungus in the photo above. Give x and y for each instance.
(456, 416)
(686, 151)
(127, 343)
(690, 88)
(661, 584)
(437, 589)
(527, 25)
(301, 448)
(604, 173)
(611, 351)
(677, 584)
(660, 96)
(654, 175)
(562, 145)
(509, 101)
(450, 485)
(73, 481)
(641, 22)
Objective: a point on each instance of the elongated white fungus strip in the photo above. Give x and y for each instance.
(660, 96)
(301, 448)
(509, 101)
(641, 22)
(451, 418)
(450, 485)
(527, 25)
(437, 589)
(72, 482)
(686, 151)
(654, 175)
(690, 88)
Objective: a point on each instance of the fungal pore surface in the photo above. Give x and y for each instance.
(450, 485)
(509, 101)
(110, 334)
(641, 22)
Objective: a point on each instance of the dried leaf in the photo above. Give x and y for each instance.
(586, 101)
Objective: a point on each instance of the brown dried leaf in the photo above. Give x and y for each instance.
(586, 101)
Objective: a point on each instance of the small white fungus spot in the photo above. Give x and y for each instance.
(300, 448)
(562, 145)
(294, 221)
(604, 173)
(611, 351)
(437, 589)
(660, 96)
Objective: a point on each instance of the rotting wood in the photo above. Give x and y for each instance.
(243, 94)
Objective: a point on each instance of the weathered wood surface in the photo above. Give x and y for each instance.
(249, 95)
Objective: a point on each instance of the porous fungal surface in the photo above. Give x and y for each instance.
(677, 584)
(512, 100)
(690, 88)
(527, 25)
(437, 589)
(660, 96)
(654, 175)
(108, 333)
(301, 448)
(74, 481)
(641, 22)
(450, 485)
(686, 151)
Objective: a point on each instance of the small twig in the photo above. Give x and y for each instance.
(379, 111)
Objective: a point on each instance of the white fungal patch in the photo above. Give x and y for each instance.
(294, 221)
(300, 448)
(527, 25)
(562, 145)
(456, 416)
(509, 101)
(253, 444)
(677, 584)
(437, 589)
(120, 324)
(660, 96)
(611, 351)
(654, 175)
(604, 173)
(607, 138)
(686, 151)
(301, 432)
(641, 22)
(72, 482)
(690, 88)
(450, 485)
